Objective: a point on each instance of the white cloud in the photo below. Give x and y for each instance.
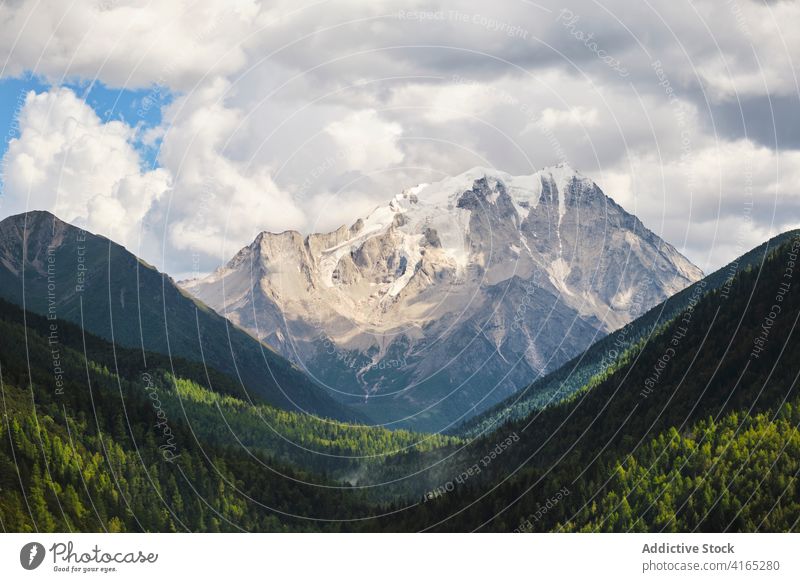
(126, 43)
(451, 100)
(219, 202)
(368, 142)
(70, 162)
(757, 48)
(578, 116)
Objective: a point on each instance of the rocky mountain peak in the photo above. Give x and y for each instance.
(477, 283)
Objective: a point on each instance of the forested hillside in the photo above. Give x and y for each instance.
(740, 473)
(109, 440)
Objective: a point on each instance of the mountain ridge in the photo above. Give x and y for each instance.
(513, 272)
(53, 268)
(577, 373)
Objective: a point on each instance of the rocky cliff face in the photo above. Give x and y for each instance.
(453, 295)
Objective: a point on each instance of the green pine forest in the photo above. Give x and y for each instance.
(692, 427)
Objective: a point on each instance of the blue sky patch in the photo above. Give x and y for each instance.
(140, 107)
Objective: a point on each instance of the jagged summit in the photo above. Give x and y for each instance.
(433, 211)
(452, 294)
(524, 189)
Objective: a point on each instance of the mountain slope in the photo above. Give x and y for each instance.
(452, 296)
(592, 364)
(58, 270)
(206, 402)
(101, 449)
(713, 366)
(737, 473)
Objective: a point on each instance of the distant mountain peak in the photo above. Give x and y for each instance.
(477, 282)
(33, 220)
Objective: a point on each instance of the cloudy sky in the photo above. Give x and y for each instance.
(183, 128)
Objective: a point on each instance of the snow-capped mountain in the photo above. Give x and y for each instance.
(454, 294)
